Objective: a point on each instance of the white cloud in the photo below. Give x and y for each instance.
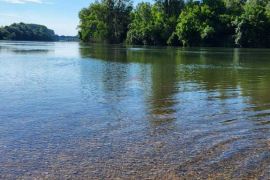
(23, 1)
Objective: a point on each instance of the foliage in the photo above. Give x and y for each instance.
(242, 23)
(194, 25)
(253, 26)
(146, 26)
(93, 23)
(154, 24)
(106, 20)
(26, 32)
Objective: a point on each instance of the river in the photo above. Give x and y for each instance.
(70, 110)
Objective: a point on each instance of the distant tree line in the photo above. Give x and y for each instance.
(236, 23)
(26, 32)
(66, 38)
(31, 32)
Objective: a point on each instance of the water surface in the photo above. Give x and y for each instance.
(77, 111)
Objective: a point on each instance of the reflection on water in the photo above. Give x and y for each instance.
(25, 47)
(73, 110)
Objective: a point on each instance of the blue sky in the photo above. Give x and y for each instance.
(59, 15)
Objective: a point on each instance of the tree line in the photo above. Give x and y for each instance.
(26, 32)
(231, 23)
(31, 32)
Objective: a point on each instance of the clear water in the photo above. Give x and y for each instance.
(70, 110)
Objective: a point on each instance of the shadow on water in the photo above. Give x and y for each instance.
(207, 109)
(160, 67)
(221, 70)
(25, 48)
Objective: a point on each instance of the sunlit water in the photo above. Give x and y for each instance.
(98, 111)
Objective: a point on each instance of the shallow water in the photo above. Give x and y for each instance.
(79, 111)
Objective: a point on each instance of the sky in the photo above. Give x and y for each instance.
(59, 15)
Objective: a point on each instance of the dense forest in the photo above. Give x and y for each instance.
(234, 23)
(27, 32)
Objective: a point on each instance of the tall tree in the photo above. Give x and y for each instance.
(93, 23)
(194, 25)
(253, 25)
(146, 26)
(243, 23)
(106, 20)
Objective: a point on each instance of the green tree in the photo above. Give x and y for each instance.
(106, 20)
(146, 26)
(267, 10)
(154, 24)
(171, 7)
(253, 25)
(194, 25)
(27, 32)
(243, 23)
(93, 23)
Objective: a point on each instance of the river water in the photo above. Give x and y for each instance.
(70, 110)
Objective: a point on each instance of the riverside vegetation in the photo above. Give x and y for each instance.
(230, 23)
(31, 32)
